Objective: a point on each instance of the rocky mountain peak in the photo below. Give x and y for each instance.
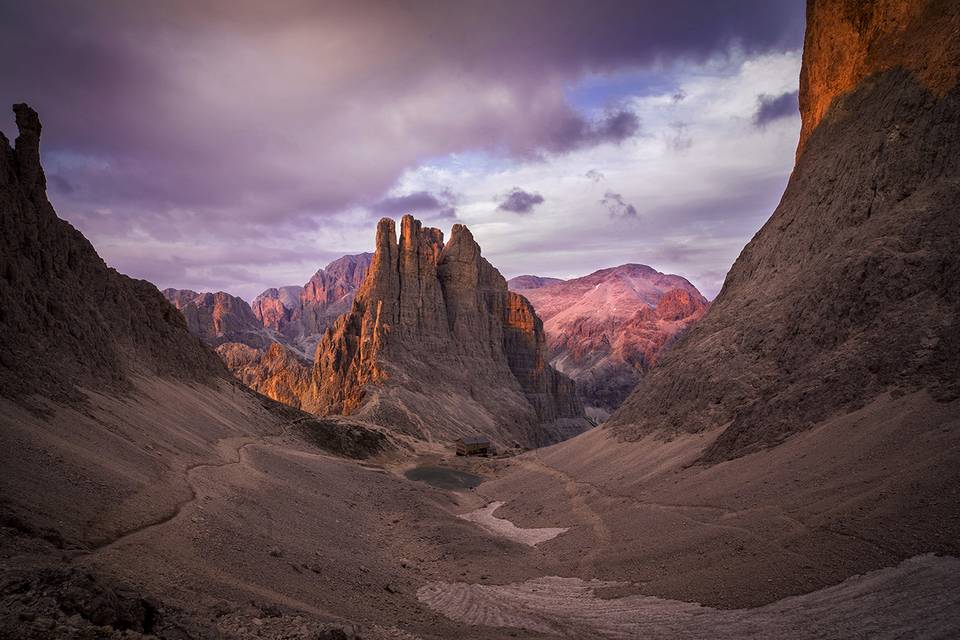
(298, 315)
(67, 320)
(607, 329)
(437, 343)
(28, 149)
(218, 317)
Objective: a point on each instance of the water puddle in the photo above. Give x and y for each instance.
(444, 478)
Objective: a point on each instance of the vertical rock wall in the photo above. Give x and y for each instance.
(436, 345)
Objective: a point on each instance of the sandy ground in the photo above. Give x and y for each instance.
(861, 492)
(918, 598)
(227, 517)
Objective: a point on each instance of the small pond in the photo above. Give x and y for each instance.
(444, 478)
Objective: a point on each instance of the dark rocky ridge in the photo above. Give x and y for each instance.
(67, 320)
(436, 345)
(852, 288)
(527, 282)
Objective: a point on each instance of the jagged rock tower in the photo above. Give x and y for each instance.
(436, 346)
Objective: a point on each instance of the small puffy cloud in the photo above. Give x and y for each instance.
(594, 175)
(437, 205)
(770, 108)
(617, 206)
(520, 201)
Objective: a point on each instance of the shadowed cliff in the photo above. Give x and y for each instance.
(852, 288)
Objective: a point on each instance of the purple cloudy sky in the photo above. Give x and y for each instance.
(239, 145)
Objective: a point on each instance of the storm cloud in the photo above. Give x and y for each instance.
(770, 108)
(423, 203)
(208, 123)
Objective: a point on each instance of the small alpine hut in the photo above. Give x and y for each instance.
(473, 446)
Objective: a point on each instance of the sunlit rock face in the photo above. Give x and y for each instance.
(605, 330)
(298, 315)
(276, 372)
(437, 346)
(852, 289)
(848, 41)
(219, 317)
(67, 320)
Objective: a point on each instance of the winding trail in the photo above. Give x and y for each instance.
(180, 506)
(580, 507)
(231, 448)
(578, 491)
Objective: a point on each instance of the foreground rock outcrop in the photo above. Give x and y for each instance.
(436, 346)
(852, 289)
(607, 329)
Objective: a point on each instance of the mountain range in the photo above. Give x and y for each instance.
(789, 468)
(605, 330)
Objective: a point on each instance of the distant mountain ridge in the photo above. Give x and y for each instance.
(606, 329)
(300, 314)
(531, 282)
(219, 317)
(294, 316)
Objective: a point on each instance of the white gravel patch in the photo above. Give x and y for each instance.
(919, 598)
(501, 527)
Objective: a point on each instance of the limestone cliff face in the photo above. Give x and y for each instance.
(606, 329)
(277, 306)
(67, 320)
(437, 346)
(299, 315)
(277, 372)
(218, 317)
(848, 40)
(852, 288)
